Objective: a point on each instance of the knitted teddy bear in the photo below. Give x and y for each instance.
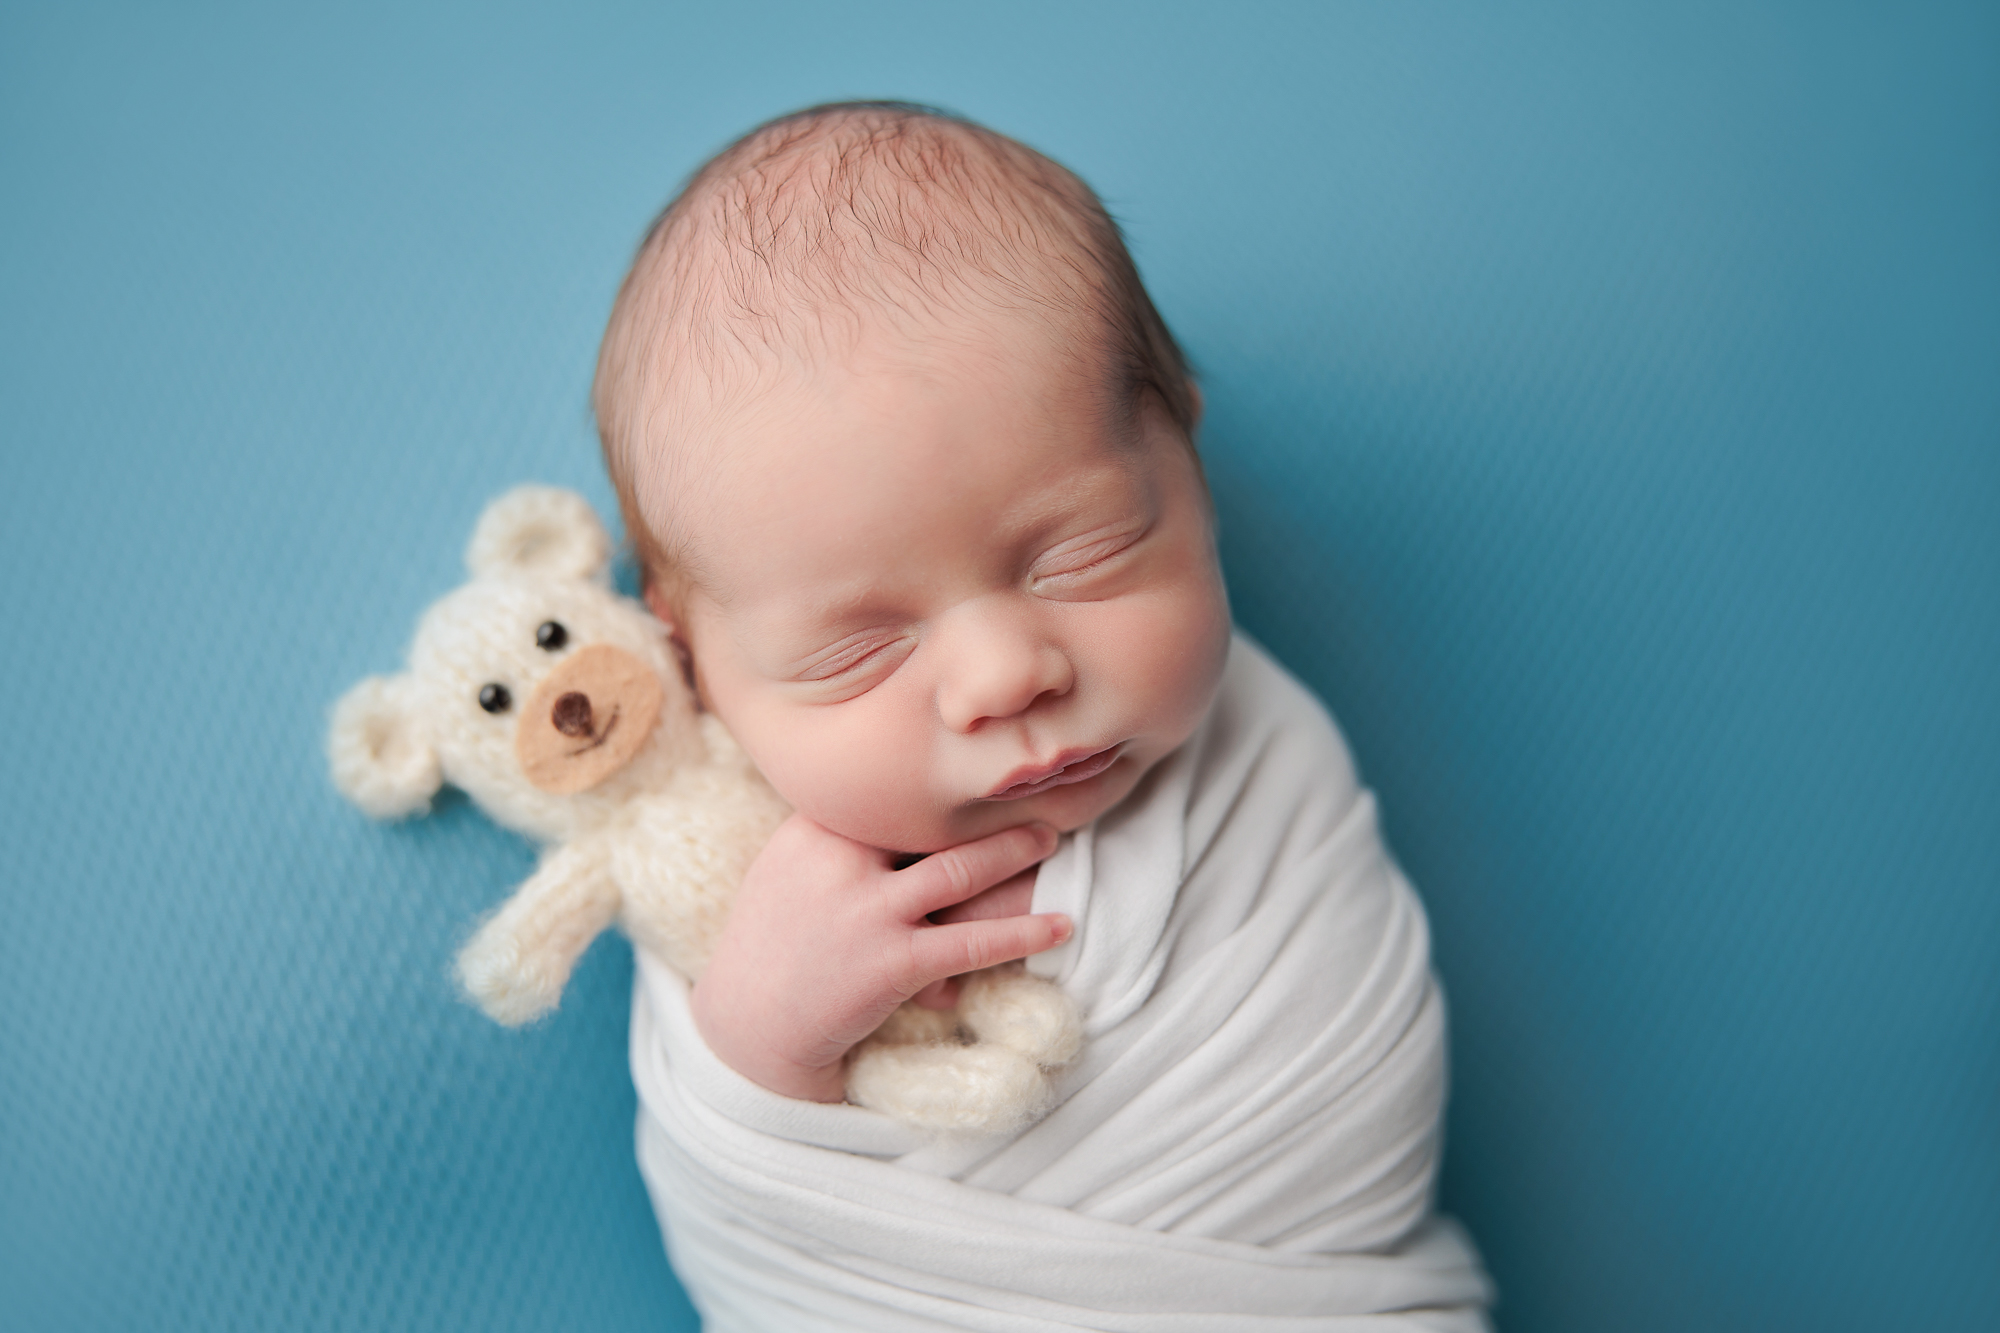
(560, 708)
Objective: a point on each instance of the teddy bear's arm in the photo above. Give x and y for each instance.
(519, 961)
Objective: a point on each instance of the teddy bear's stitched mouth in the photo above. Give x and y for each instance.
(602, 736)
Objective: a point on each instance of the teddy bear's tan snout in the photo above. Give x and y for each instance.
(587, 719)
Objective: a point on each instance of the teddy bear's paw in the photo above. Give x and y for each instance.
(1033, 1018)
(492, 971)
(961, 1089)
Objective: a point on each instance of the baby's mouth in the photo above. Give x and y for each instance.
(1069, 767)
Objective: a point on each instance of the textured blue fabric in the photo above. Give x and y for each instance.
(1603, 416)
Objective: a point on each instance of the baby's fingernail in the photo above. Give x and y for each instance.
(1063, 929)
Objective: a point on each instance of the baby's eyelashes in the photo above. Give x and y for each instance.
(1078, 566)
(855, 664)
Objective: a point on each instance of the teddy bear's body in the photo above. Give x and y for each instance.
(560, 708)
(663, 865)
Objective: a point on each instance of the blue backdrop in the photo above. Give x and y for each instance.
(1605, 418)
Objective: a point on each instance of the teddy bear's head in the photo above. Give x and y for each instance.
(544, 695)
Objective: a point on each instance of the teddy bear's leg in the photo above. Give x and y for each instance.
(517, 964)
(921, 1068)
(1008, 1008)
(947, 1086)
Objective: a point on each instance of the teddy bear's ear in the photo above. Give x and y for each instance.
(540, 530)
(382, 756)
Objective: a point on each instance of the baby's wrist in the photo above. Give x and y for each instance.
(753, 1056)
(828, 1084)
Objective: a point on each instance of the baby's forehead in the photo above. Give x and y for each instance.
(835, 459)
(883, 393)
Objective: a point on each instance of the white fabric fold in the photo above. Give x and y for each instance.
(1249, 1139)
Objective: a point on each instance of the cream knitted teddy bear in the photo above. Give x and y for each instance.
(560, 708)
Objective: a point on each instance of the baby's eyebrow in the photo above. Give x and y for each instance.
(815, 616)
(842, 605)
(1123, 486)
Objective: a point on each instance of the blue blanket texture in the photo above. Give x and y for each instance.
(1603, 418)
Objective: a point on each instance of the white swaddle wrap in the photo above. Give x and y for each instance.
(1248, 1140)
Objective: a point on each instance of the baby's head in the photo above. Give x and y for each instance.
(907, 456)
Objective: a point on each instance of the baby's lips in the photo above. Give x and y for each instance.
(1078, 765)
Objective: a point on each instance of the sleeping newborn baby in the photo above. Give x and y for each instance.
(907, 455)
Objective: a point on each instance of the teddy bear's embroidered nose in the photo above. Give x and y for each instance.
(572, 715)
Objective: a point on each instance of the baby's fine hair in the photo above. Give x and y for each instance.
(785, 238)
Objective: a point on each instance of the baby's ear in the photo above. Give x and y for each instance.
(381, 752)
(663, 611)
(662, 608)
(541, 530)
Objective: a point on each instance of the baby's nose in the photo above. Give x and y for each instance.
(571, 715)
(998, 675)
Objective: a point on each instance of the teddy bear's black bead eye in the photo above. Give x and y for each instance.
(495, 699)
(550, 636)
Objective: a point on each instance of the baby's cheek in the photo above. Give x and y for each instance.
(1168, 653)
(847, 772)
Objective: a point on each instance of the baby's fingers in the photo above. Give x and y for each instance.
(1010, 897)
(958, 873)
(946, 951)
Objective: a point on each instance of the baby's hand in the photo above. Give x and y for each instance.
(826, 939)
(1012, 897)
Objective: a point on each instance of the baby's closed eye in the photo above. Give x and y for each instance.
(1087, 567)
(855, 663)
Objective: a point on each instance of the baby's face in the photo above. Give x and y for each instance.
(944, 588)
